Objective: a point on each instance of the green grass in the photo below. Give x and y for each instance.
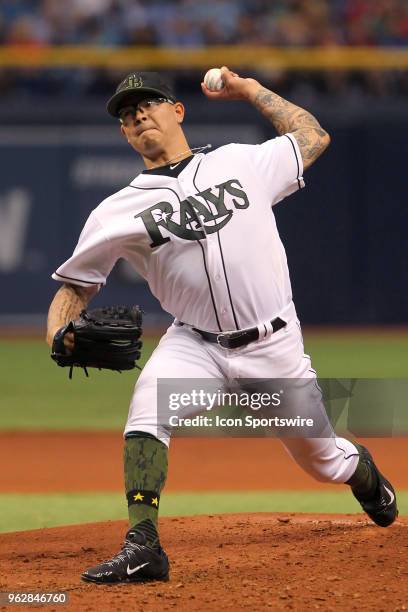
(356, 354)
(32, 511)
(36, 394)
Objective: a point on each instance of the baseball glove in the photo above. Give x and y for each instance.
(103, 338)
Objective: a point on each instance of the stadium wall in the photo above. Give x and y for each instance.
(345, 233)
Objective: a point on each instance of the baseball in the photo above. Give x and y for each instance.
(213, 79)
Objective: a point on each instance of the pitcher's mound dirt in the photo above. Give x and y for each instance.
(235, 562)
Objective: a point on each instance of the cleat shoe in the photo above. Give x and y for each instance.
(136, 562)
(382, 506)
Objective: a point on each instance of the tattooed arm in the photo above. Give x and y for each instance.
(287, 117)
(66, 306)
(284, 116)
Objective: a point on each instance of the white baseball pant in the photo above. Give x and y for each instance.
(183, 353)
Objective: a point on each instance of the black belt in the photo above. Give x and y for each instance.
(232, 340)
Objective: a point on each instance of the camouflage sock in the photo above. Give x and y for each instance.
(364, 481)
(145, 465)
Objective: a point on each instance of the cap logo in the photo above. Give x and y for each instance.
(134, 81)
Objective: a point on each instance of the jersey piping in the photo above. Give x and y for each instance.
(80, 280)
(297, 161)
(222, 259)
(226, 281)
(204, 260)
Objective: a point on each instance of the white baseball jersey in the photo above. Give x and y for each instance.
(202, 233)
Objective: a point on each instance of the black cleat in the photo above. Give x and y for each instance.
(382, 506)
(136, 562)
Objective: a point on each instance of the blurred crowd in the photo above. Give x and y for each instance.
(192, 23)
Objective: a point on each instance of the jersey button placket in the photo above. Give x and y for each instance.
(220, 288)
(213, 262)
(211, 254)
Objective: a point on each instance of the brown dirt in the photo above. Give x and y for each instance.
(237, 562)
(70, 461)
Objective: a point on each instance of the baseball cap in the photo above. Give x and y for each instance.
(137, 86)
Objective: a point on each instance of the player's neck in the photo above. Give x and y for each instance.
(168, 157)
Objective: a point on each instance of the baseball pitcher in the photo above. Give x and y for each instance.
(199, 227)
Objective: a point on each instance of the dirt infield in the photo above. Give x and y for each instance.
(66, 462)
(234, 562)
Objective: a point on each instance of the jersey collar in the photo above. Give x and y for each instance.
(172, 170)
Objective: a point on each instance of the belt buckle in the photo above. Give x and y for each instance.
(221, 337)
(224, 339)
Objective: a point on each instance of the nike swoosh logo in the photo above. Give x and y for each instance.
(135, 569)
(175, 166)
(391, 494)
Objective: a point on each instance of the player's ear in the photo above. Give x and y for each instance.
(180, 111)
(122, 130)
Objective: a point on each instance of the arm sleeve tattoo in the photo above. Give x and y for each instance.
(287, 117)
(66, 306)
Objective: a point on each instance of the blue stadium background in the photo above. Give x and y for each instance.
(60, 153)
